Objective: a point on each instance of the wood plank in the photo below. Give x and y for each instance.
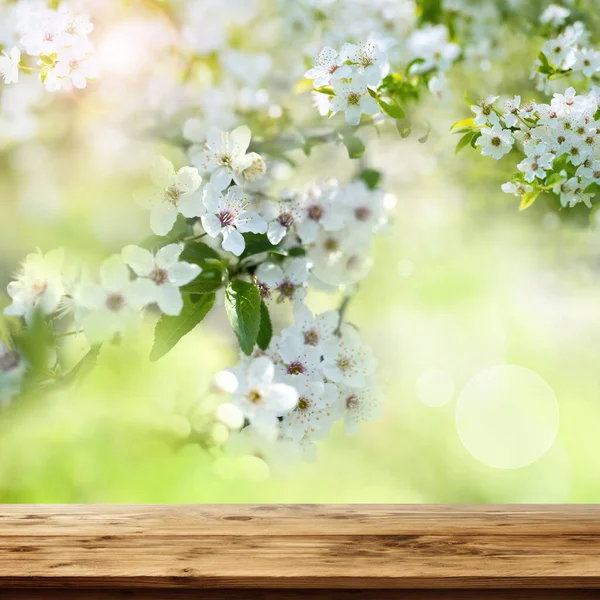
(300, 547)
(289, 519)
(237, 594)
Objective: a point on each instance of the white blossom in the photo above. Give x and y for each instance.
(352, 98)
(173, 193)
(224, 156)
(260, 397)
(347, 360)
(288, 281)
(166, 272)
(495, 142)
(314, 413)
(113, 306)
(356, 406)
(227, 215)
(39, 285)
(328, 65)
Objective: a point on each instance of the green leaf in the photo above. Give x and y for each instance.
(324, 90)
(210, 280)
(404, 127)
(243, 306)
(561, 163)
(545, 68)
(465, 123)
(464, 141)
(528, 199)
(169, 330)
(474, 139)
(371, 177)
(354, 145)
(198, 252)
(412, 63)
(298, 251)
(423, 139)
(257, 243)
(554, 180)
(265, 333)
(593, 188)
(468, 99)
(391, 108)
(34, 342)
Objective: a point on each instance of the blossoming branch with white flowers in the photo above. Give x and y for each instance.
(54, 43)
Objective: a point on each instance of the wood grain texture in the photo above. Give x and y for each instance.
(241, 594)
(408, 550)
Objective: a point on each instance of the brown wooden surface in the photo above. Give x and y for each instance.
(407, 550)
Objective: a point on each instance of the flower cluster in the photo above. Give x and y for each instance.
(315, 373)
(55, 42)
(358, 81)
(558, 143)
(288, 389)
(353, 74)
(567, 54)
(333, 224)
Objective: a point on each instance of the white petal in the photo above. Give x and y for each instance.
(192, 205)
(241, 138)
(253, 222)
(270, 274)
(221, 178)
(276, 232)
(114, 275)
(261, 371)
(368, 105)
(284, 396)
(91, 296)
(233, 240)
(188, 179)
(182, 273)
(211, 225)
(140, 293)
(168, 256)
(352, 115)
(211, 198)
(139, 259)
(169, 300)
(163, 173)
(162, 218)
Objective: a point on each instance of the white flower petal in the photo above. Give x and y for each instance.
(182, 273)
(261, 371)
(139, 259)
(163, 173)
(114, 275)
(240, 137)
(169, 300)
(233, 240)
(162, 218)
(188, 179)
(211, 225)
(168, 256)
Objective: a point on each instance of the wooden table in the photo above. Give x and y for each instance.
(292, 552)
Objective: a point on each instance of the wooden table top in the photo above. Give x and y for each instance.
(402, 551)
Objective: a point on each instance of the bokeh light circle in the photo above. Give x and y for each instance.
(435, 387)
(507, 417)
